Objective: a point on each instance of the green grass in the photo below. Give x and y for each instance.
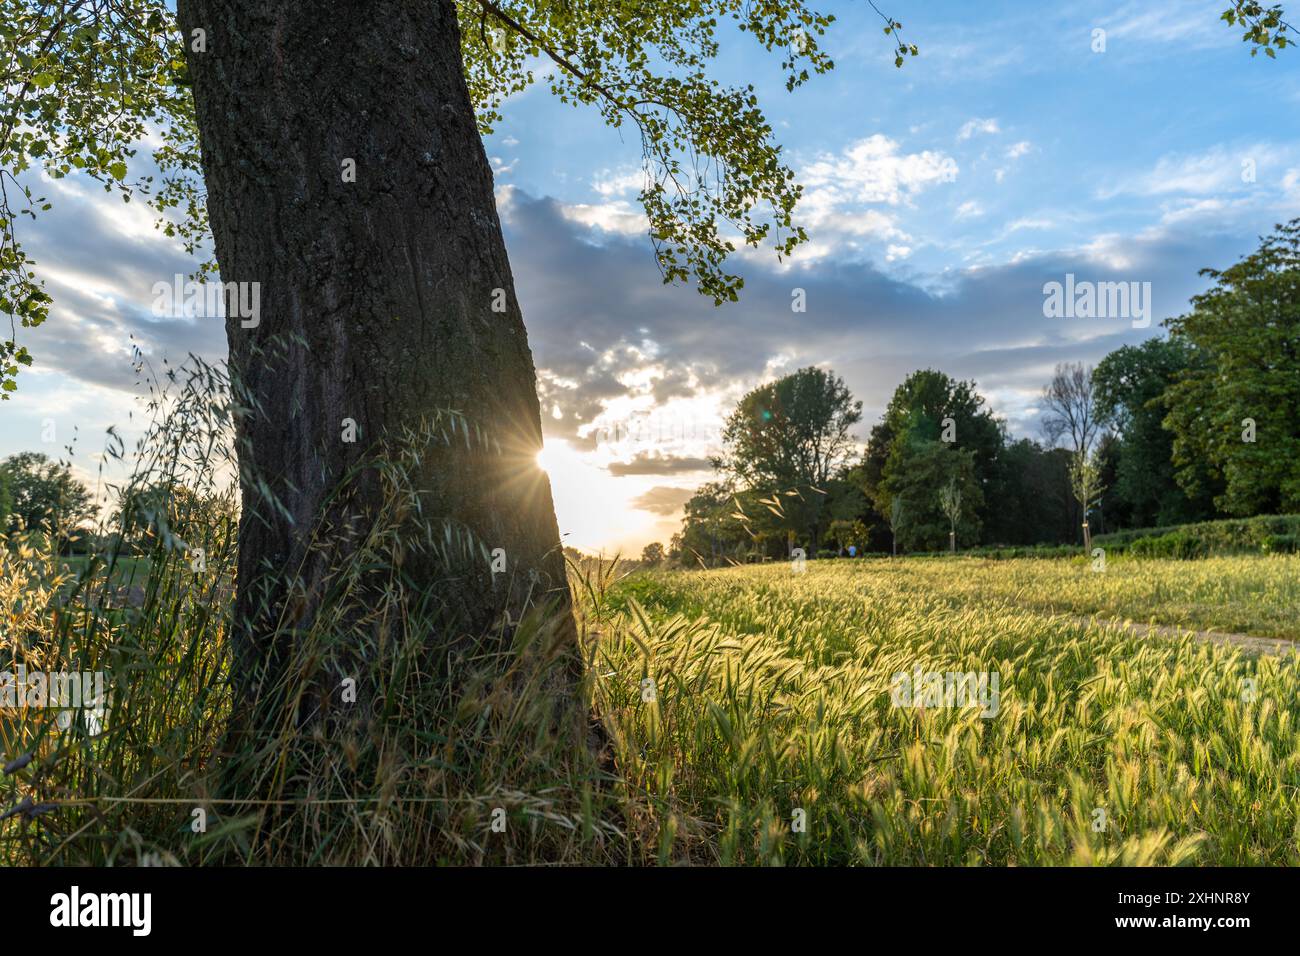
(126, 571)
(772, 693)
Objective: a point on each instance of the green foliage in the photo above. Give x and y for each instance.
(794, 431)
(1130, 384)
(708, 152)
(1030, 496)
(1263, 534)
(1281, 544)
(919, 481)
(89, 81)
(1175, 544)
(1261, 26)
(848, 534)
(788, 440)
(926, 408)
(1246, 330)
(6, 499)
(42, 492)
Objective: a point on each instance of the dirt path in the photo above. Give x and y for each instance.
(1248, 642)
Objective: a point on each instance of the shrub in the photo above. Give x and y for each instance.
(1282, 544)
(1259, 535)
(1175, 544)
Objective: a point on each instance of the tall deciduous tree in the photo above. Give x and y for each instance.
(1070, 417)
(1130, 384)
(346, 178)
(344, 174)
(931, 406)
(39, 490)
(1238, 411)
(793, 435)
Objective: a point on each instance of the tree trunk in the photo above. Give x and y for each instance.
(384, 302)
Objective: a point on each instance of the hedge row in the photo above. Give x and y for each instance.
(1265, 534)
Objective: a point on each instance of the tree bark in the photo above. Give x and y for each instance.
(384, 302)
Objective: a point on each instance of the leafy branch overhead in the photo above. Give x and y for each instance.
(1261, 26)
(85, 84)
(713, 174)
(89, 81)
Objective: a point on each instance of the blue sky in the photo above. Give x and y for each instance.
(939, 199)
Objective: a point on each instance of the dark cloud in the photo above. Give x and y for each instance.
(598, 314)
(596, 311)
(651, 464)
(102, 283)
(662, 500)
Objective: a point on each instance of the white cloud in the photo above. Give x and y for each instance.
(1185, 24)
(1214, 172)
(873, 170)
(1291, 184)
(1016, 150)
(1030, 222)
(618, 216)
(608, 183)
(975, 126)
(969, 210)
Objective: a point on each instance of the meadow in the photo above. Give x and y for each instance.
(773, 694)
(746, 716)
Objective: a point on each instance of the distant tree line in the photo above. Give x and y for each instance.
(1201, 424)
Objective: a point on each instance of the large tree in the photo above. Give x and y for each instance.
(931, 406)
(38, 491)
(1130, 385)
(1235, 414)
(793, 436)
(1071, 418)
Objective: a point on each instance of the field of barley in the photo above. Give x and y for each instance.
(752, 715)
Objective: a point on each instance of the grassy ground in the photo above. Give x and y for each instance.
(133, 570)
(771, 694)
(750, 714)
